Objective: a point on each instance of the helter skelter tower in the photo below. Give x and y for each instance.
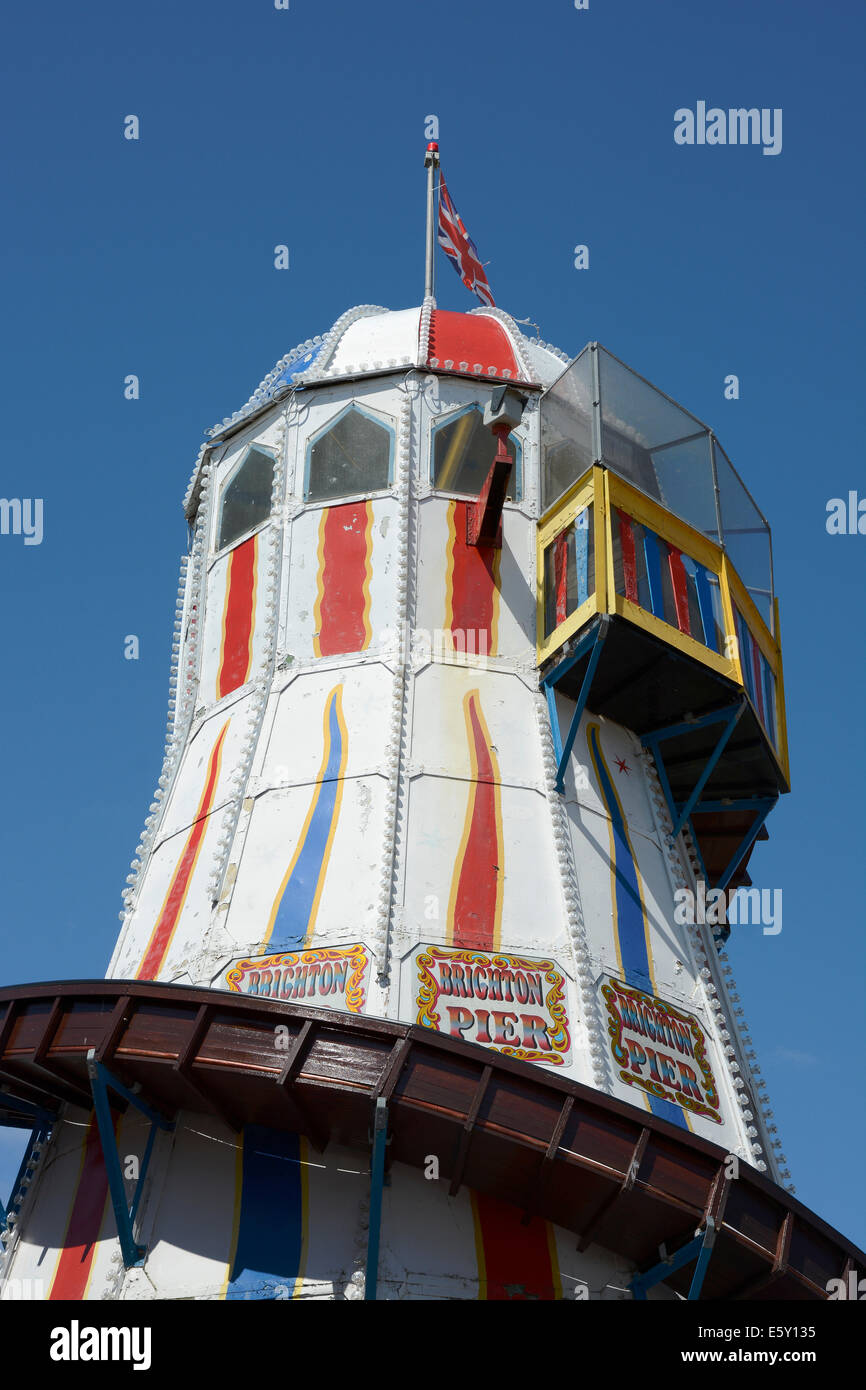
(476, 670)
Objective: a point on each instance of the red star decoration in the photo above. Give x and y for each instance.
(623, 765)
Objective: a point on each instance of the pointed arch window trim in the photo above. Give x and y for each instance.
(514, 442)
(385, 422)
(230, 545)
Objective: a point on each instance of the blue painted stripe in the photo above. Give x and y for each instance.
(629, 910)
(581, 555)
(271, 1221)
(705, 604)
(652, 556)
(630, 917)
(666, 1110)
(296, 904)
(769, 697)
(746, 654)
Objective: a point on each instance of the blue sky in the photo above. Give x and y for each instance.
(306, 127)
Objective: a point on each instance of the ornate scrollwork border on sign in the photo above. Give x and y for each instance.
(356, 955)
(654, 1088)
(428, 994)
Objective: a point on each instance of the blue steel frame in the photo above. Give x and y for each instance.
(701, 1248)
(100, 1080)
(681, 812)
(31, 1115)
(764, 808)
(42, 1122)
(592, 642)
(377, 1183)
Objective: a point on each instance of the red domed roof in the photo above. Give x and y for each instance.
(472, 343)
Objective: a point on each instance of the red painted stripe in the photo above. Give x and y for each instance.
(239, 618)
(342, 608)
(629, 568)
(476, 899)
(473, 590)
(179, 887)
(680, 588)
(759, 678)
(518, 1262)
(560, 564)
(85, 1220)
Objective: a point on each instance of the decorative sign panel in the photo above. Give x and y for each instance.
(513, 1004)
(660, 1049)
(331, 977)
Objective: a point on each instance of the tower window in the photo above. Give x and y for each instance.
(351, 455)
(463, 451)
(246, 497)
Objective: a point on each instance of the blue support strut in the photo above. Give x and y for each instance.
(688, 726)
(377, 1182)
(730, 725)
(707, 1244)
(38, 1136)
(737, 803)
(100, 1080)
(746, 843)
(699, 1249)
(595, 641)
(583, 645)
(730, 716)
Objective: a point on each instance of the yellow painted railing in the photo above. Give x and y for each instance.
(607, 548)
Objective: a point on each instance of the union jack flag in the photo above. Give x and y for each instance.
(460, 248)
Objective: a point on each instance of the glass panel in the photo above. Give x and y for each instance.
(685, 480)
(632, 404)
(463, 450)
(566, 430)
(656, 445)
(353, 456)
(246, 499)
(569, 570)
(746, 537)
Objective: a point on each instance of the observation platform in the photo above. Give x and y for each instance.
(655, 603)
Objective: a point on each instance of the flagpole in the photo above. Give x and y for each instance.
(431, 163)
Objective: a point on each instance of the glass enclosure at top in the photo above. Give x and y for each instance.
(659, 448)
